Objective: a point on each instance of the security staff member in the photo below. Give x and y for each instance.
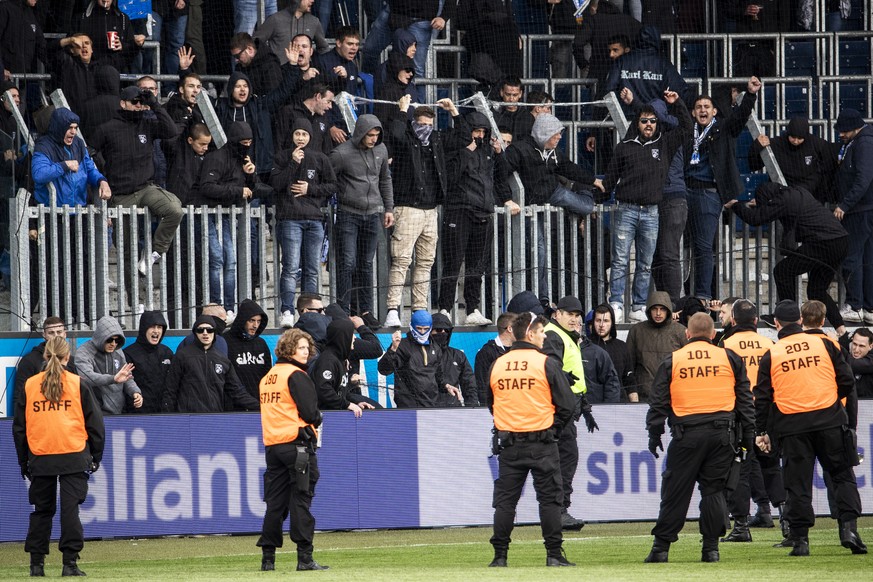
(562, 343)
(58, 432)
(701, 389)
(743, 339)
(289, 421)
(531, 401)
(797, 398)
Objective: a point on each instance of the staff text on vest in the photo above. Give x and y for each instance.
(48, 406)
(698, 371)
(515, 383)
(800, 363)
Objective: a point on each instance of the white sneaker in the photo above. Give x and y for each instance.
(392, 319)
(867, 316)
(140, 309)
(619, 312)
(446, 313)
(637, 315)
(287, 319)
(477, 318)
(850, 314)
(145, 263)
(230, 317)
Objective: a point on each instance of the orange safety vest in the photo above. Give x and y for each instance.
(802, 374)
(55, 428)
(839, 347)
(522, 394)
(280, 419)
(703, 380)
(751, 347)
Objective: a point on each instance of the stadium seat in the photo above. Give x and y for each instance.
(796, 100)
(694, 59)
(854, 56)
(366, 89)
(744, 142)
(854, 95)
(800, 59)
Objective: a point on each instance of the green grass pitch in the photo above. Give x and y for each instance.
(601, 551)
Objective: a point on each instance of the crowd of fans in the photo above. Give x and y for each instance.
(288, 147)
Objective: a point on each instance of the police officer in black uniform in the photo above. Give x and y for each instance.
(800, 383)
(703, 391)
(531, 401)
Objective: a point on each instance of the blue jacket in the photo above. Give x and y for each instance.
(48, 165)
(855, 176)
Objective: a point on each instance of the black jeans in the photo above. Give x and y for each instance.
(666, 266)
(466, 238)
(822, 260)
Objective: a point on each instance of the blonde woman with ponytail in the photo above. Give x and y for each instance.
(59, 434)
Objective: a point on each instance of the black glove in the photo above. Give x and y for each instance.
(149, 98)
(93, 467)
(655, 444)
(590, 423)
(25, 472)
(571, 377)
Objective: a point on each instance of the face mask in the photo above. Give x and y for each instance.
(440, 339)
(240, 150)
(128, 115)
(422, 338)
(480, 141)
(422, 131)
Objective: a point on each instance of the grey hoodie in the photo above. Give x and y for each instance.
(363, 180)
(99, 367)
(544, 127)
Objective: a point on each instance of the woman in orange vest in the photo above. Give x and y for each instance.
(58, 432)
(289, 421)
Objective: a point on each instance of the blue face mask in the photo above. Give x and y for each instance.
(422, 338)
(421, 318)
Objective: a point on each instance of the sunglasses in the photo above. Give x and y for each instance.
(115, 340)
(439, 331)
(648, 120)
(236, 56)
(204, 330)
(313, 309)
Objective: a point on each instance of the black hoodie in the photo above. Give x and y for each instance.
(249, 355)
(393, 89)
(618, 353)
(202, 380)
(455, 367)
(796, 208)
(151, 363)
(102, 107)
(222, 178)
(330, 371)
(314, 169)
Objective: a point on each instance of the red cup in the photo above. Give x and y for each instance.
(112, 39)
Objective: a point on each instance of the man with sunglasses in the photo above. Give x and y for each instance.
(101, 362)
(637, 172)
(201, 379)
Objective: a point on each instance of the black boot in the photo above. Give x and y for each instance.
(801, 546)
(762, 518)
(268, 559)
(557, 558)
(305, 562)
(499, 560)
(72, 569)
(850, 539)
(659, 553)
(783, 523)
(570, 523)
(710, 550)
(741, 532)
(37, 564)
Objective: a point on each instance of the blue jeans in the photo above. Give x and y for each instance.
(704, 211)
(356, 238)
(245, 14)
(858, 264)
(171, 34)
(301, 247)
(637, 224)
(377, 41)
(575, 202)
(222, 263)
(423, 34)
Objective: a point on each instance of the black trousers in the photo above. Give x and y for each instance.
(568, 450)
(666, 263)
(515, 462)
(799, 453)
(464, 238)
(43, 496)
(283, 497)
(821, 260)
(702, 455)
(768, 469)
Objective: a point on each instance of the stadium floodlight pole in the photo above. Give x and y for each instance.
(59, 100)
(19, 120)
(616, 113)
(767, 156)
(211, 119)
(517, 234)
(346, 104)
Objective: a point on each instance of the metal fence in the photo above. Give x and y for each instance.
(79, 262)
